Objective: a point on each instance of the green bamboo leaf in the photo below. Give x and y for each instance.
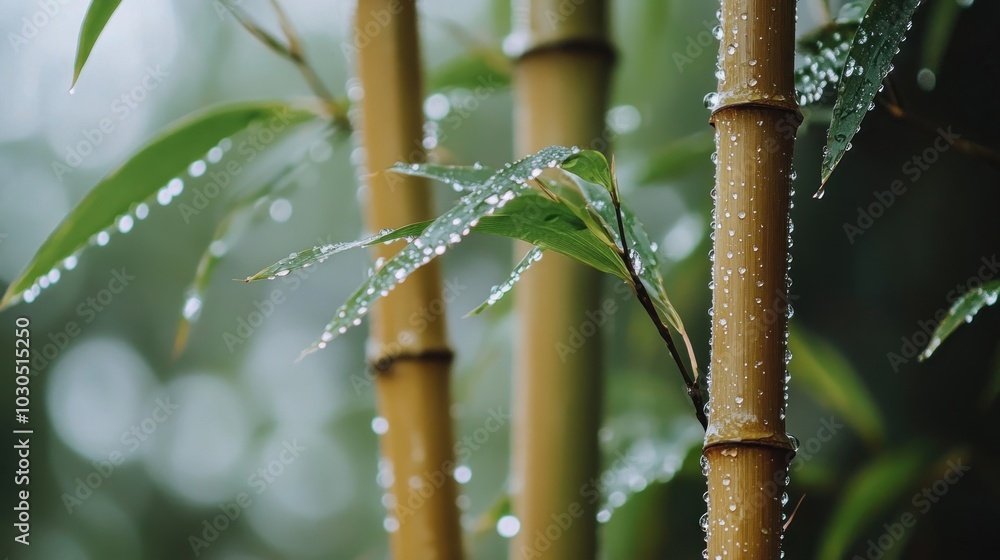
(97, 17)
(125, 190)
(553, 226)
(531, 217)
(962, 311)
(319, 253)
(870, 493)
(826, 374)
(460, 178)
(481, 68)
(868, 63)
(823, 56)
(590, 166)
(531, 257)
(679, 157)
(446, 231)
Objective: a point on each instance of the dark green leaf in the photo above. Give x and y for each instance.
(868, 62)
(97, 17)
(961, 312)
(826, 374)
(870, 493)
(138, 180)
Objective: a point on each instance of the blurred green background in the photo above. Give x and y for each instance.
(210, 418)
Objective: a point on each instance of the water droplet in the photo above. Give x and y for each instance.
(197, 168)
(125, 223)
(380, 425)
(192, 307)
(711, 100)
(508, 526)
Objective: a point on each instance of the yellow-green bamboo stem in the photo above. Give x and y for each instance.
(746, 448)
(560, 94)
(412, 356)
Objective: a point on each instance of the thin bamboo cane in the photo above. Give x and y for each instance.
(409, 350)
(560, 89)
(746, 448)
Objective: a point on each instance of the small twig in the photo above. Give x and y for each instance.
(294, 52)
(891, 101)
(693, 389)
(794, 511)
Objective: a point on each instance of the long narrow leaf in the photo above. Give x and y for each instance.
(962, 311)
(97, 17)
(319, 253)
(139, 179)
(869, 494)
(446, 231)
(531, 257)
(868, 62)
(827, 375)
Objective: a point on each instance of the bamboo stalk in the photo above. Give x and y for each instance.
(746, 448)
(560, 89)
(412, 357)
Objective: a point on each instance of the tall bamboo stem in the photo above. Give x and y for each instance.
(410, 351)
(560, 93)
(746, 448)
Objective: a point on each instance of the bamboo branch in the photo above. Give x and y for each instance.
(294, 52)
(693, 388)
